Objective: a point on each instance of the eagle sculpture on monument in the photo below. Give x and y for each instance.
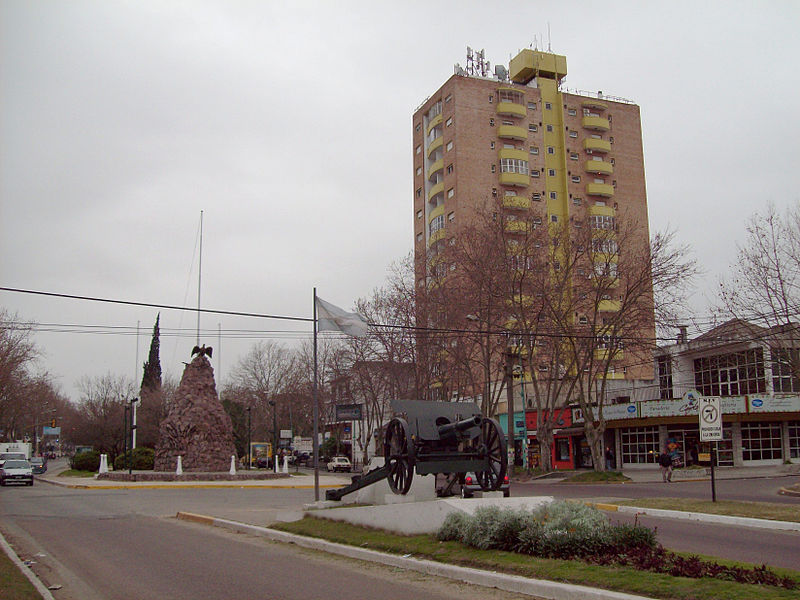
(202, 350)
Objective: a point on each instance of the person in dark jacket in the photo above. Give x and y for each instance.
(665, 461)
(609, 459)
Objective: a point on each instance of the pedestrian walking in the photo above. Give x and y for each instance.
(665, 461)
(609, 459)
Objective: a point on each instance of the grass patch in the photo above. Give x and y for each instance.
(756, 510)
(15, 585)
(597, 477)
(623, 579)
(76, 473)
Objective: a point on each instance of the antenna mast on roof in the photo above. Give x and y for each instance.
(549, 48)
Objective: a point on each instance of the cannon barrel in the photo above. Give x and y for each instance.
(452, 428)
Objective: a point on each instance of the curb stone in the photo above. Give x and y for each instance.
(35, 581)
(695, 516)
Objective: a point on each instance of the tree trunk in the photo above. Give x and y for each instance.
(594, 436)
(545, 436)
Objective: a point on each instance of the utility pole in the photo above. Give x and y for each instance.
(508, 370)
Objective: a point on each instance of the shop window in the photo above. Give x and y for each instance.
(761, 441)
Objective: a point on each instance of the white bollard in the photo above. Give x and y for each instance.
(285, 464)
(233, 465)
(179, 470)
(103, 463)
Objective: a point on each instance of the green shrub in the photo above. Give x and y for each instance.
(452, 528)
(85, 461)
(142, 459)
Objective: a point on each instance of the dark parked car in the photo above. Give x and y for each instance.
(16, 471)
(471, 486)
(38, 464)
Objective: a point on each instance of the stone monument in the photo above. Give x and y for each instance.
(196, 426)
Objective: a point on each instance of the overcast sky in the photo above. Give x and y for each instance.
(289, 125)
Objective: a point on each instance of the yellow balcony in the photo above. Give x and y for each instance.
(435, 167)
(596, 123)
(511, 109)
(596, 145)
(607, 211)
(517, 202)
(609, 306)
(593, 103)
(437, 143)
(600, 189)
(512, 132)
(436, 212)
(439, 235)
(602, 354)
(599, 166)
(437, 120)
(437, 189)
(518, 179)
(513, 153)
(516, 226)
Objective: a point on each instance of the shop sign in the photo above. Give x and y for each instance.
(348, 412)
(562, 419)
(762, 405)
(611, 412)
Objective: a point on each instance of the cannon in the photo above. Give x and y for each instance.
(451, 438)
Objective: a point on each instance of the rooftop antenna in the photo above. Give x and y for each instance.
(549, 48)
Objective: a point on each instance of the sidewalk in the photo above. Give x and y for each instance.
(653, 473)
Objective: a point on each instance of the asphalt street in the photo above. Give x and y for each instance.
(100, 545)
(125, 543)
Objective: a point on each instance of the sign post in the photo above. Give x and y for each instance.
(710, 430)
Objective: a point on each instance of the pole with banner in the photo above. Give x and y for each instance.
(328, 317)
(710, 414)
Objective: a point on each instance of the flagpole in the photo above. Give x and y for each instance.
(316, 408)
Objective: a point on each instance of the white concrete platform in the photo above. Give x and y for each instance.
(412, 518)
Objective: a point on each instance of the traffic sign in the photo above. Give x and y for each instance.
(710, 419)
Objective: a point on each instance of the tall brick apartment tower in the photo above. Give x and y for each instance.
(514, 135)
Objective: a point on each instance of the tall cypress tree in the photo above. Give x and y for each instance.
(151, 376)
(152, 401)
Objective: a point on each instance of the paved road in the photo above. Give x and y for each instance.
(747, 490)
(117, 545)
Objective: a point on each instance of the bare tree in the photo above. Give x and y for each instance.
(101, 411)
(764, 287)
(617, 273)
(260, 377)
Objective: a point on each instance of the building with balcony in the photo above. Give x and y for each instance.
(518, 138)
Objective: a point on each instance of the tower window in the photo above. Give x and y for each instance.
(548, 106)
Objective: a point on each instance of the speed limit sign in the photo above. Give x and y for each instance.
(710, 419)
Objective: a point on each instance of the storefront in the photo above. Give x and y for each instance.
(756, 430)
(569, 451)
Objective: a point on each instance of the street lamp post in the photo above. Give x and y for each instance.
(274, 406)
(249, 458)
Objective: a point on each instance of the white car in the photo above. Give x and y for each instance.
(16, 471)
(339, 463)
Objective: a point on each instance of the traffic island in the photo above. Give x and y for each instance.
(149, 476)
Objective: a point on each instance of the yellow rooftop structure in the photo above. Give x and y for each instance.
(532, 63)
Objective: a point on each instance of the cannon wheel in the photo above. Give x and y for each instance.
(493, 443)
(398, 451)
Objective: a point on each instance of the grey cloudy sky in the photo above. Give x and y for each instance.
(289, 125)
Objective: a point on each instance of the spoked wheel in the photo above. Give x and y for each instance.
(398, 451)
(493, 443)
